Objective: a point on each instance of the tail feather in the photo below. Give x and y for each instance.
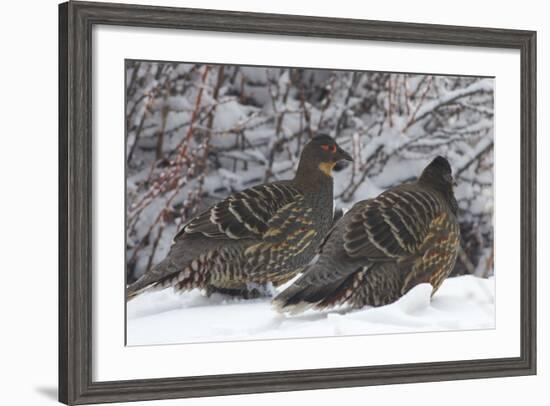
(166, 274)
(148, 280)
(374, 285)
(370, 285)
(303, 294)
(346, 292)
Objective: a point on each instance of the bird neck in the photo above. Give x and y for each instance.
(445, 189)
(314, 177)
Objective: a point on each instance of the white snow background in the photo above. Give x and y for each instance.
(164, 317)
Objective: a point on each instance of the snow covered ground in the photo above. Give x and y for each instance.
(462, 303)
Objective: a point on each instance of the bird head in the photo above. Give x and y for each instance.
(439, 171)
(439, 175)
(323, 153)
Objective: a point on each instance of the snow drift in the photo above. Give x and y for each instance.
(165, 317)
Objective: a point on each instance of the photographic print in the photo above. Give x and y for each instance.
(288, 202)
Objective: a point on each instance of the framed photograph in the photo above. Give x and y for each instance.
(257, 202)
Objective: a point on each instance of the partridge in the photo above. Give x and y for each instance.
(383, 247)
(261, 235)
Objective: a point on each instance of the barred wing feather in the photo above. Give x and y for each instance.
(245, 214)
(392, 226)
(288, 234)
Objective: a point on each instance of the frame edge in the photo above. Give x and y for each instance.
(528, 57)
(75, 352)
(64, 381)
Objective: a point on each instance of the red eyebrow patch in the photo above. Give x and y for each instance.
(331, 148)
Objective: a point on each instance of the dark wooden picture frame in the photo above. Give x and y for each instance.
(76, 20)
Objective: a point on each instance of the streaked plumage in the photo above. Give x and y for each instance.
(264, 234)
(384, 246)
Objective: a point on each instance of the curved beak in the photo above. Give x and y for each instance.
(341, 154)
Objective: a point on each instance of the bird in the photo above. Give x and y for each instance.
(383, 247)
(260, 236)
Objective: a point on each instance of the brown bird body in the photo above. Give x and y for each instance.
(383, 247)
(264, 234)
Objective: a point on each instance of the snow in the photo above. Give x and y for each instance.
(483, 85)
(165, 317)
